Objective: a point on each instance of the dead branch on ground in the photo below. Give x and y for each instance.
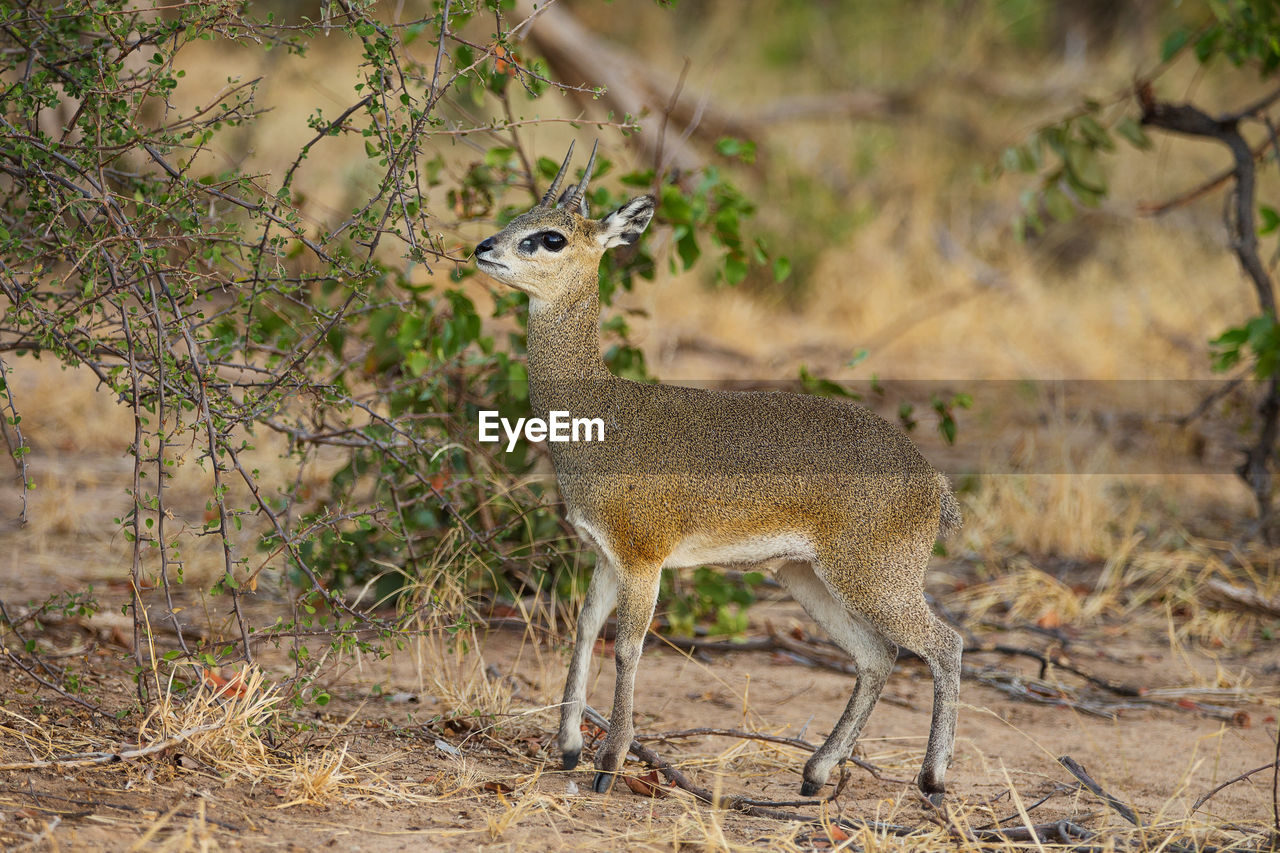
(87, 759)
(799, 743)
(1077, 770)
(1240, 598)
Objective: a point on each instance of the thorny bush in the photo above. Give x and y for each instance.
(217, 304)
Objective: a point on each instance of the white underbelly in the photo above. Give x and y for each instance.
(701, 550)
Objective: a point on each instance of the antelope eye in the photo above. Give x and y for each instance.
(553, 241)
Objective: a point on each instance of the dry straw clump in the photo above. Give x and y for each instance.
(1168, 583)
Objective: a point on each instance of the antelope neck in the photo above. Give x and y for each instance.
(564, 353)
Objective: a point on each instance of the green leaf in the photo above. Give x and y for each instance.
(1173, 43)
(905, 416)
(735, 269)
(744, 150)
(1134, 133)
(687, 247)
(1231, 337)
(947, 426)
(1270, 219)
(1057, 205)
(1028, 156)
(781, 268)
(824, 387)
(1084, 169)
(498, 157)
(1009, 160)
(1095, 133)
(1207, 44)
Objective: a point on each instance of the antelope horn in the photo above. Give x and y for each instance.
(580, 191)
(550, 197)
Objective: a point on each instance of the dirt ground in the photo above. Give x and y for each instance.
(418, 772)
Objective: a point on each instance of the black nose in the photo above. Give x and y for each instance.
(486, 246)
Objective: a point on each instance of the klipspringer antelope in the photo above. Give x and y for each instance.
(833, 499)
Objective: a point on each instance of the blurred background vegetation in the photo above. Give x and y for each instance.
(235, 248)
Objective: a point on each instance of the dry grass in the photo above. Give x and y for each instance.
(1131, 581)
(241, 736)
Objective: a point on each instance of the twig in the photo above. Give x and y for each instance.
(1205, 404)
(760, 736)
(1204, 798)
(660, 168)
(1075, 769)
(1160, 208)
(444, 32)
(1058, 789)
(35, 676)
(18, 453)
(87, 759)
(1275, 786)
(706, 732)
(101, 804)
(1046, 661)
(1238, 598)
(1252, 110)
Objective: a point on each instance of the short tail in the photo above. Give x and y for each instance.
(951, 520)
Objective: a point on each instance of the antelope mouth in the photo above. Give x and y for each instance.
(485, 262)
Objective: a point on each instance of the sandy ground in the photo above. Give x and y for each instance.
(503, 790)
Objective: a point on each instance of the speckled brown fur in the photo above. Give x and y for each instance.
(834, 499)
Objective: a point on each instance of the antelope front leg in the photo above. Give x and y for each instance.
(637, 595)
(601, 593)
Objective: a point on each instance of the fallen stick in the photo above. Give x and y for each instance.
(1058, 789)
(875, 771)
(85, 759)
(1046, 661)
(1240, 598)
(1075, 769)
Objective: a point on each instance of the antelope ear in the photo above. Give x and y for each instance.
(624, 226)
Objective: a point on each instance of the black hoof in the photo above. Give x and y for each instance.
(808, 789)
(932, 788)
(571, 759)
(602, 783)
